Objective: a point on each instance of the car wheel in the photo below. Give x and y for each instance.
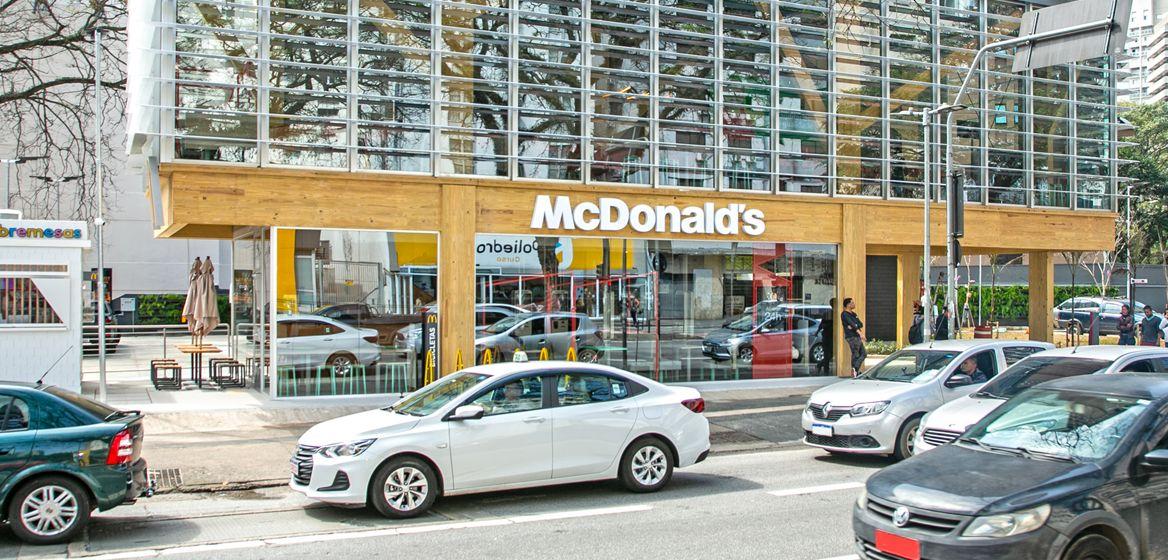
(342, 363)
(1092, 547)
(746, 354)
(906, 438)
(588, 356)
(403, 487)
(646, 466)
(49, 510)
(816, 353)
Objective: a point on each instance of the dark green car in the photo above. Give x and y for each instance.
(62, 456)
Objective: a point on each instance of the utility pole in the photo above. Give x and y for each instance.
(99, 223)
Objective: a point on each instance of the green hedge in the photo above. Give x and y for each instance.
(1012, 303)
(166, 309)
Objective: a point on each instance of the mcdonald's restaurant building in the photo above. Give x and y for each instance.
(680, 189)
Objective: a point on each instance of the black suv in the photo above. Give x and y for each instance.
(1073, 469)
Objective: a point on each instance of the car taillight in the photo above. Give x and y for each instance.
(121, 448)
(371, 338)
(697, 405)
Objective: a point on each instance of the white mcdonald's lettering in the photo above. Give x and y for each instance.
(614, 214)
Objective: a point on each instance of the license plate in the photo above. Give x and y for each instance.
(824, 430)
(904, 547)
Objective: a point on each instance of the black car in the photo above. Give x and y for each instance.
(1073, 469)
(1076, 314)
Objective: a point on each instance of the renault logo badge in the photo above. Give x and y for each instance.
(900, 517)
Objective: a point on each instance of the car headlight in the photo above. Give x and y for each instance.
(1008, 524)
(862, 499)
(735, 341)
(347, 449)
(869, 408)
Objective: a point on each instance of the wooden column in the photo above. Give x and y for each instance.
(908, 291)
(852, 279)
(456, 278)
(1041, 296)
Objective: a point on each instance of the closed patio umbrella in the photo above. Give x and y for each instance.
(208, 309)
(190, 306)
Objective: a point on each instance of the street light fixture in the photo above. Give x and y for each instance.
(8, 165)
(56, 183)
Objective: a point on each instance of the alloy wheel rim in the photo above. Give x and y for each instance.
(649, 465)
(49, 511)
(342, 365)
(746, 355)
(406, 488)
(911, 445)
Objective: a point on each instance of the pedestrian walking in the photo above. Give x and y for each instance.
(1126, 325)
(1151, 328)
(825, 332)
(854, 335)
(941, 329)
(633, 307)
(916, 334)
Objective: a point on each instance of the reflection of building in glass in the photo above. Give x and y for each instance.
(772, 96)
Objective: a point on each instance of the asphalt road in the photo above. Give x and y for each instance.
(788, 504)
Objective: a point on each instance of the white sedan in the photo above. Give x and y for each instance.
(501, 427)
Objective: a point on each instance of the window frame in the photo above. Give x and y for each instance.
(547, 389)
(7, 410)
(632, 389)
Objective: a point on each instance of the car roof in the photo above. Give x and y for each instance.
(20, 385)
(962, 345)
(1137, 385)
(509, 368)
(304, 317)
(1103, 352)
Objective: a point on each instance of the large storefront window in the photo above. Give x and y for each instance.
(669, 310)
(349, 311)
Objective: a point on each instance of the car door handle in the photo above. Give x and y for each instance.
(6, 451)
(619, 409)
(327, 340)
(535, 420)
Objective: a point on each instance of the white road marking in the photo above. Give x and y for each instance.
(764, 410)
(848, 557)
(373, 533)
(816, 489)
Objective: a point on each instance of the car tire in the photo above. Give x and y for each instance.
(816, 353)
(403, 487)
(1092, 547)
(905, 438)
(39, 512)
(646, 466)
(341, 360)
(745, 355)
(588, 356)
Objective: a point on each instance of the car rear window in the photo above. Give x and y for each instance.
(1034, 370)
(89, 405)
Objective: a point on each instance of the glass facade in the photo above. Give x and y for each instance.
(801, 96)
(669, 310)
(349, 308)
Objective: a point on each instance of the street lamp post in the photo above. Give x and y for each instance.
(99, 223)
(9, 165)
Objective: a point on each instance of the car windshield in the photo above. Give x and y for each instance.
(1039, 369)
(743, 323)
(911, 366)
(1059, 425)
(505, 324)
(91, 406)
(437, 395)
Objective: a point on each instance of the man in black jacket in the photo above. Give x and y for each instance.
(854, 335)
(941, 329)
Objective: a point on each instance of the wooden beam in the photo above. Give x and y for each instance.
(851, 281)
(908, 292)
(1041, 296)
(456, 278)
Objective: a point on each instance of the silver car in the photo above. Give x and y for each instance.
(536, 331)
(879, 412)
(308, 341)
(947, 423)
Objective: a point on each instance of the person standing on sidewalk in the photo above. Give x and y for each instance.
(1151, 328)
(941, 329)
(1126, 325)
(916, 334)
(826, 334)
(854, 335)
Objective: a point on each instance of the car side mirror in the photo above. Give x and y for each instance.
(468, 412)
(958, 380)
(1155, 460)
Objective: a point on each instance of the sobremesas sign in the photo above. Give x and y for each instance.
(614, 214)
